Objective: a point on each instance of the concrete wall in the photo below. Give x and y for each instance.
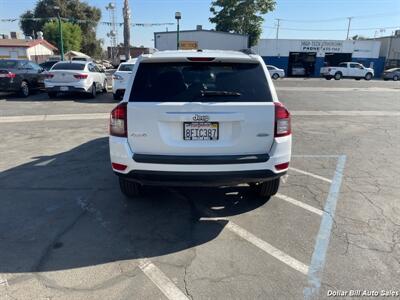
(206, 40)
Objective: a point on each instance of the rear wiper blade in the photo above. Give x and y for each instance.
(219, 93)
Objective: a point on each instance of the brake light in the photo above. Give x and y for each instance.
(282, 120)
(49, 75)
(81, 76)
(201, 58)
(11, 75)
(118, 121)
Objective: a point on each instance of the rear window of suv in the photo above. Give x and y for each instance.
(68, 66)
(200, 82)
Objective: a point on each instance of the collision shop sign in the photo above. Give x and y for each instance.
(322, 46)
(188, 45)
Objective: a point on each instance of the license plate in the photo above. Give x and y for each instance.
(200, 131)
(64, 88)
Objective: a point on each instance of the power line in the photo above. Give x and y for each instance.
(342, 18)
(336, 29)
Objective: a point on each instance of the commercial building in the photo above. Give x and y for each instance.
(200, 39)
(38, 50)
(390, 49)
(306, 57)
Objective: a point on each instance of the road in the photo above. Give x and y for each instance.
(68, 233)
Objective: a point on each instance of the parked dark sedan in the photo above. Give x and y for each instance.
(20, 76)
(391, 74)
(48, 64)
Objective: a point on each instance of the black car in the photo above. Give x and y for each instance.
(393, 74)
(48, 64)
(20, 76)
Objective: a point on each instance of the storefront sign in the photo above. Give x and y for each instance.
(322, 46)
(188, 45)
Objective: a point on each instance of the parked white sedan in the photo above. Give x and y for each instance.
(121, 77)
(75, 76)
(276, 72)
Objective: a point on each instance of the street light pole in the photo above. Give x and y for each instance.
(178, 16)
(348, 27)
(60, 32)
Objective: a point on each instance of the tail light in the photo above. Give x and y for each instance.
(49, 75)
(81, 76)
(11, 75)
(118, 121)
(282, 120)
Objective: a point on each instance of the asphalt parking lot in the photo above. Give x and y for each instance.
(68, 233)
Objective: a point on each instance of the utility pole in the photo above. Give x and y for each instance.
(178, 16)
(60, 32)
(127, 33)
(348, 27)
(277, 28)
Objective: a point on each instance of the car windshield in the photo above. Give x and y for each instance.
(196, 82)
(8, 64)
(68, 66)
(126, 67)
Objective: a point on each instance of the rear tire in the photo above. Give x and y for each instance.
(395, 78)
(52, 94)
(105, 86)
(338, 76)
(368, 76)
(328, 77)
(275, 76)
(93, 91)
(117, 97)
(268, 188)
(129, 188)
(24, 90)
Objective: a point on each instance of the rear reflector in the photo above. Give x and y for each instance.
(201, 58)
(81, 76)
(118, 121)
(11, 75)
(281, 167)
(282, 120)
(118, 167)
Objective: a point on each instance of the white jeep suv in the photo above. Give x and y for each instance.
(200, 118)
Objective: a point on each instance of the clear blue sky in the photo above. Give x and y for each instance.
(314, 15)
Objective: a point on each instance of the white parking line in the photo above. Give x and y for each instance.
(300, 204)
(311, 174)
(268, 248)
(166, 286)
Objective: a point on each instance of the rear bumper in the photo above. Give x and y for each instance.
(71, 89)
(165, 178)
(213, 170)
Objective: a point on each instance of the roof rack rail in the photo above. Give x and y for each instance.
(247, 51)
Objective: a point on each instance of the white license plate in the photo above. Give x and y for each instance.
(64, 88)
(200, 131)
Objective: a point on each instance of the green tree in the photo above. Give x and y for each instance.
(84, 15)
(241, 16)
(72, 35)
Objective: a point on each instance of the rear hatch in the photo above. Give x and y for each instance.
(64, 72)
(7, 72)
(201, 108)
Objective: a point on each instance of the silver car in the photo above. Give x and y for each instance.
(391, 74)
